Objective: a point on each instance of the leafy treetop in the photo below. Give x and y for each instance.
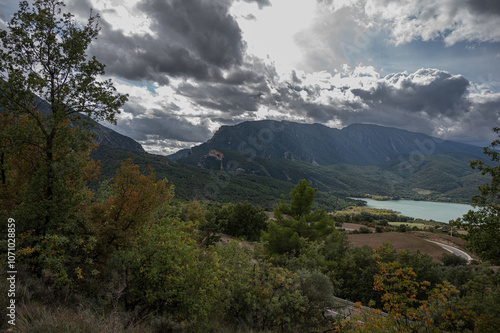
(483, 225)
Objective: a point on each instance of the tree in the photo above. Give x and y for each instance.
(118, 219)
(240, 220)
(302, 198)
(168, 274)
(49, 88)
(483, 225)
(404, 310)
(296, 223)
(262, 297)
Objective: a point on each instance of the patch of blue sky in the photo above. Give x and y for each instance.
(148, 85)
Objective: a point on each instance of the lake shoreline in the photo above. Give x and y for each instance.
(410, 199)
(421, 209)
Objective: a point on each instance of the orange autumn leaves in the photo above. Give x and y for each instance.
(133, 197)
(406, 310)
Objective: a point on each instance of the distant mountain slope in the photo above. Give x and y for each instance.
(105, 135)
(358, 144)
(192, 183)
(444, 177)
(357, 160)
(178, 155)
(108, 137)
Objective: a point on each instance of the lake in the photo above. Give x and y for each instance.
(437, 211)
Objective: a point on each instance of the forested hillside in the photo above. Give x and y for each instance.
(357, 160)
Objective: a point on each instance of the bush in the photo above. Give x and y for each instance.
(402, 228)
(384, 223)
(364, 230)
(239, 220)
(450, 259)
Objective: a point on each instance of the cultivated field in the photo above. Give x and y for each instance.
(400, 241)
(411, 224)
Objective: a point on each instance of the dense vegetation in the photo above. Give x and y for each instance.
(356, 160)
(444, 177)
(125, 256)
(483, 226)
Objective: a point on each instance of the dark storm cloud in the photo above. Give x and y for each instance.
(429, 101)
(204, 27)
(243, 89)
(192, 38)
(484, 7)
(486, 111)
(225, 98)
(306, 101)
(431, 91)
(80, 8)
(195, 39)
(145, 58)
(164, 126)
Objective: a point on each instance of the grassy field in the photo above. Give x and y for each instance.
(410, 224)
(400, 241)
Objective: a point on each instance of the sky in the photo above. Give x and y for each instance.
(191, 66)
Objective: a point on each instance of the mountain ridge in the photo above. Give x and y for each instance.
(359, 144)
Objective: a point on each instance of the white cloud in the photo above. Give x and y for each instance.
(271, 32)
(454, 21)
(190, 67)
(123, 15)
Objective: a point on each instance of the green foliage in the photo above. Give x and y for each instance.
(297, 224)
(169, 274)
(450, 259)
(129, 203)
(355, 272)
(260, 296)
(480, 290)
(44, 53)
(318, 289)
(302, 199)
(48, 89)
(43, 151)
(483, 225)
(240, 220)
(406, 311)
(282, 239)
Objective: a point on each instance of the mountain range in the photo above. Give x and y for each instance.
(356, 160)
(259, 160)
(358, 144)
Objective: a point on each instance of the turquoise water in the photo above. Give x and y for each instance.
(437, 211)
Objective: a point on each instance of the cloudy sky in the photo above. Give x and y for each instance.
(190, 66)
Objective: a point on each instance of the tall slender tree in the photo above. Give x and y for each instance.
(483, 224)
(49, 89)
